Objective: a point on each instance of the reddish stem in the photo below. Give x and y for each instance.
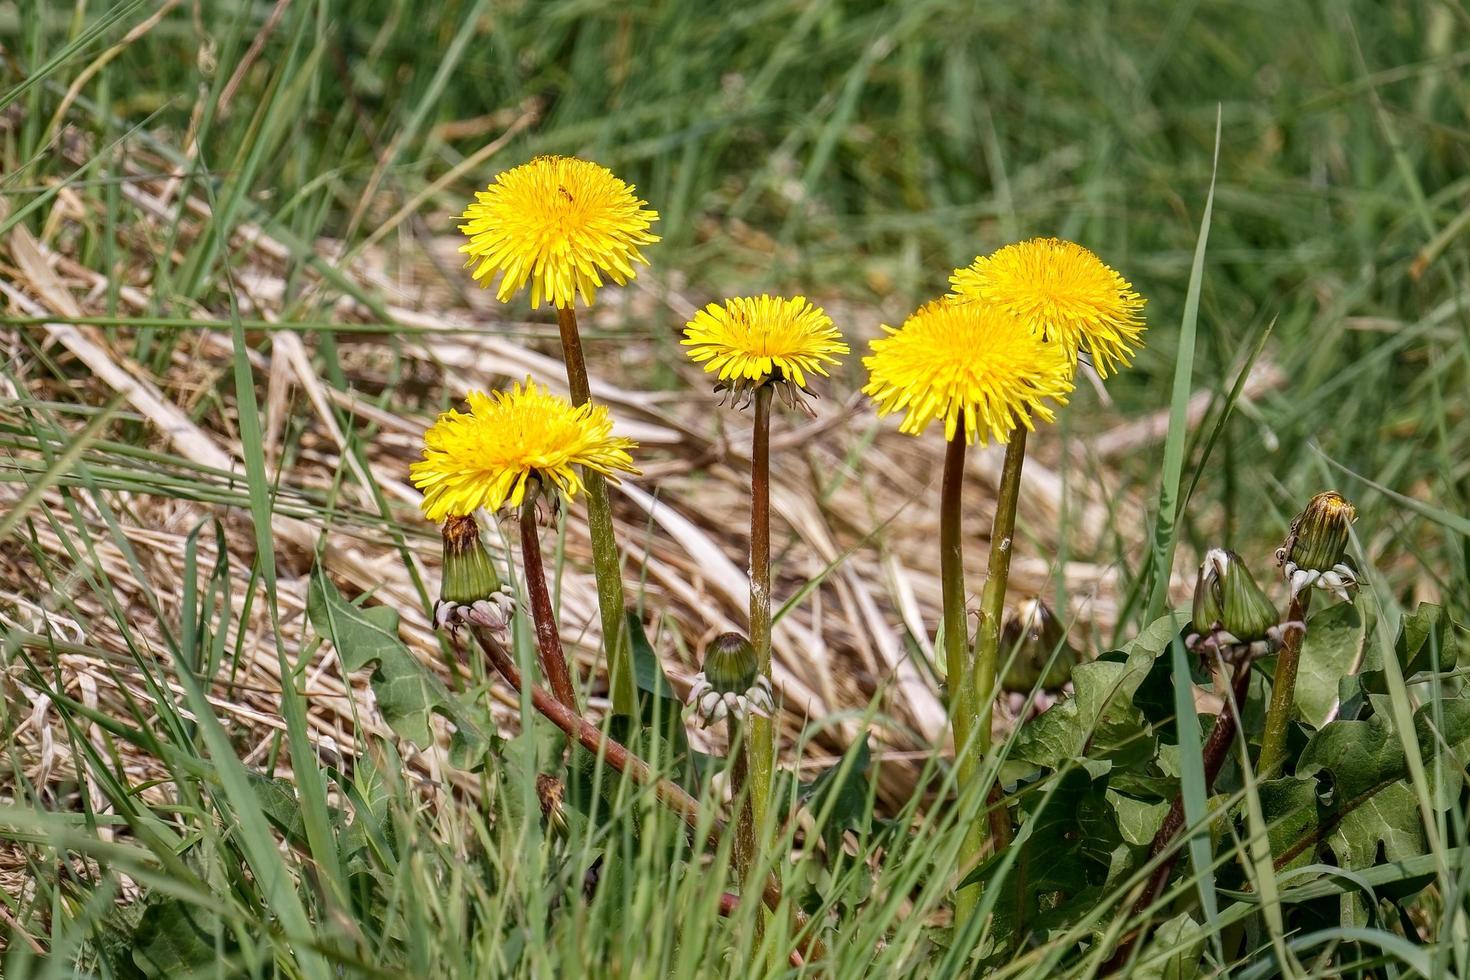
(548, 638)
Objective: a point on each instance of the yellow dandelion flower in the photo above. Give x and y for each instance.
(955, 359)
(561, 223)
(1063, 290)
(754, 339)
(484, 457)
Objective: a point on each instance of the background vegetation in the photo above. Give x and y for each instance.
(227, 249)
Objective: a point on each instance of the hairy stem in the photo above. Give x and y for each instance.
(669, 794)
(1283, 688)
(606, 564)
(760, 746)
(548, 637)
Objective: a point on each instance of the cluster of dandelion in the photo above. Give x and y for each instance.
(991, 360)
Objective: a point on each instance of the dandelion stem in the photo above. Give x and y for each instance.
(1283, 688)
(746, 847)
(548, 637)
(606, 564)
(975, 701)
(993, 601)
(759, 747)
(666, 792)
(958, 663)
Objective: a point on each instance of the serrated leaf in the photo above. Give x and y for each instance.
(1066, 856)
(405, 690)
(1352, 790)
(838, 797)
(1138, 821)
(1427, 638)
(1099, 722)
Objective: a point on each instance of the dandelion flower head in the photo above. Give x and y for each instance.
(960, 360)
(1064, 291)
(563, 225)
(486, 456)
(751, 340)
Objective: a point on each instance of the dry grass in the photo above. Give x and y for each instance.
(853, 499)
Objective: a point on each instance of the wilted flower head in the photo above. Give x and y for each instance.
(1065, 292)
(470, 591)
(560, 223)
(485, 457)
(1229, 607)
(954, 359)
(730, 685)
(755, 340)
(1039, 642)
(1315, 547)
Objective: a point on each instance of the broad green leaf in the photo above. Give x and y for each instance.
(406, 691)
(1174, 951)
(1427, 637)
(1333, 643)
(839, 797)
(1098, 722)
(1067, 844)
(1352, 792)
(179, 939)
(1138, 821)
(1289, 807)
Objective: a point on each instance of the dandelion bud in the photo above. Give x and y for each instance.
(1228, 603)
(470, 591)
(730, 663)
(1035, 634)
(730, 685)
(551, 793)
(1313, 553)
(469, 573)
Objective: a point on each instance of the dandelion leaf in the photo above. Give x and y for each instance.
(406, 691)
(1098, 723)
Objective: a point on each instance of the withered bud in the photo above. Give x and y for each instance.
(1035, 634)
(470, 590)
(1319, 535)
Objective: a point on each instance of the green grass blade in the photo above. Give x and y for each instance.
(1165, 538)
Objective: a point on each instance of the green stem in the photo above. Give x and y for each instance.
(606, 563)
(993, 601)
(548, 637)
(1283, 689)
(747, 850)
(958, 663)
(760, 746)
(975, 705)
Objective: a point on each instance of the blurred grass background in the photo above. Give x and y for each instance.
(862, 150)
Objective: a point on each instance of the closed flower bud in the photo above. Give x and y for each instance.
(730, 685)
(1228, 602)
(470, 590)
(1319, 535)
(1035, 634)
